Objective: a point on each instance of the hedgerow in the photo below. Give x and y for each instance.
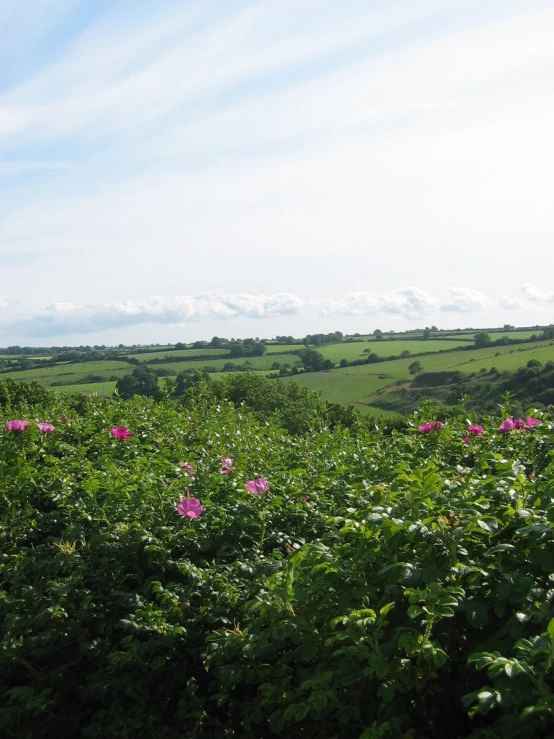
(384, 585)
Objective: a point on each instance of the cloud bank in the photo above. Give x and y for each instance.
(63, 318)
(60, 319)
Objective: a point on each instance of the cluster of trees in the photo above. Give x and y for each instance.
(336, 337)
(247, 348)
(287, 340)
(142, 381)
(314, 361)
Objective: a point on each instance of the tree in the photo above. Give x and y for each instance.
(481, 340)
(415, 368)
(190, 378)
(427, 333)
(142, 381)
(312, 359)
(327, 365)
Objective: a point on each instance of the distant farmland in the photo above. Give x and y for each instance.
(358, 384)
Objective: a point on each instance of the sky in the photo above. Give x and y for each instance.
(177, 170)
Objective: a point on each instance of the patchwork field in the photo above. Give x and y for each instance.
(354, 384)
(351, 384)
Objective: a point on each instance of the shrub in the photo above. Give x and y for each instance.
(385, 585)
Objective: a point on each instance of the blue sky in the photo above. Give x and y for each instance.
(170, 171)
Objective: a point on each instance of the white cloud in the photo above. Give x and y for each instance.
(355, 304)
(465, 300)
(409, 302)
(59, 319)
(511, 303)
(536, 295)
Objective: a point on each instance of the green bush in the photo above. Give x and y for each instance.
(394, 585)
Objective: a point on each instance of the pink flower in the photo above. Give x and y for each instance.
(532, 421)
(466, 439)
(16, 425)
(226, 466)
(306, 497)
(260, 485)
(506, 425)
(190, 507)
(519, 424)
(475, 430)
(431, 426)
(189, 468)
(46, 428)
(121, 432)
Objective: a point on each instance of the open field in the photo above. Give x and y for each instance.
(385, 348)
(103, 388)
(74, 371)
(353, 384)
(208, 352)
(256, 363)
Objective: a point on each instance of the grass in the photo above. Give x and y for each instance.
(336, 352)
(256, 363)
(102, 388)
(146, 357)
(352, 384)
(74, 371)
(348, 385)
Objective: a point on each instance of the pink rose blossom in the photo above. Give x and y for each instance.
(121, 432)
(519, 424)
(466, 439)
(532, 421)
(260, 485)
(190, 507)
(16, 425)
(431, 426)
(46, 428)
(226, 466)
(189, 469)
(506, 425)
(475, 430)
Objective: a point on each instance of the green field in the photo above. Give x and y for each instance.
(353, 384)
(256, 363)
(356, 385)
(102, 388)
(352, 351)
(208, 352)
(70, 372)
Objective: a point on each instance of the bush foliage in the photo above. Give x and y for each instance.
(386, 585)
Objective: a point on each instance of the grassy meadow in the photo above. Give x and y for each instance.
(358, 385)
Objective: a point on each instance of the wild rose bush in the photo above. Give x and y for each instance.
(205, 575)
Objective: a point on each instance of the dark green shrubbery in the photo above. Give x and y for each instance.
(385, 586)
(532, 385)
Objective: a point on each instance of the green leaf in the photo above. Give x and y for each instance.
(477, 614)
